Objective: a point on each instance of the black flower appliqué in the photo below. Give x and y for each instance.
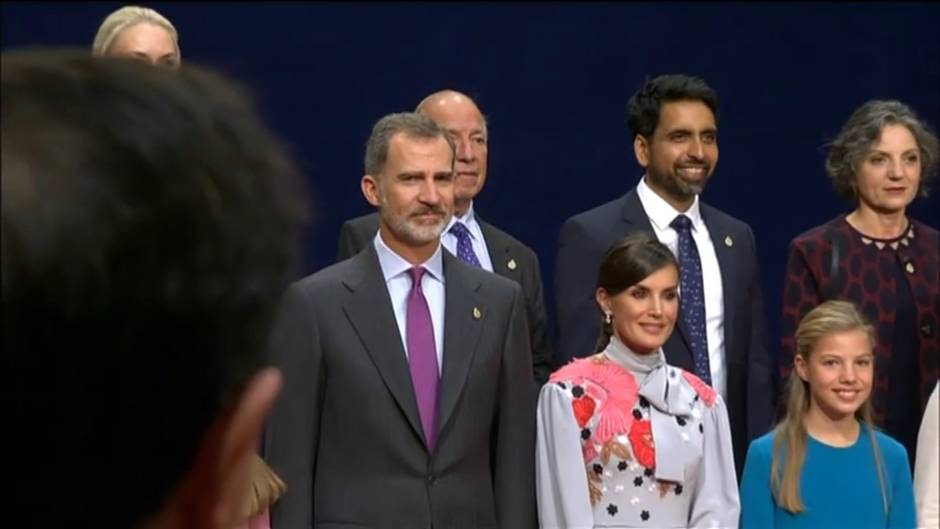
(621, 466)
(612, 509)
(638, 481)
(645, 515)
(678, 489)
(597, 469)
(648, 472)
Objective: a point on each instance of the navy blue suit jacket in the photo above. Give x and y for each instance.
(750, 384)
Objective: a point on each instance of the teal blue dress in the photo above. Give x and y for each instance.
(839, 487)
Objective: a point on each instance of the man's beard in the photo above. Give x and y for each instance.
(407, 229)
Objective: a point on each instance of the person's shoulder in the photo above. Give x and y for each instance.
(713, 216)
(601, 212)
(507, 239)
(763, 446)
(817, 234)
(596, 368)
(368, 222)
(892, 451)
(926, 232)
(705, 393)
(490, 283)
(331, 276)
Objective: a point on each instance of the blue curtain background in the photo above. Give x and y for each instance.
(554, 79)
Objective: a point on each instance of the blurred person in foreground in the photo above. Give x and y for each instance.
(148, 230)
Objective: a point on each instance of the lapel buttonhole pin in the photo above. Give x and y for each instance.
(476, 313)
(728, 242)
(511, 264)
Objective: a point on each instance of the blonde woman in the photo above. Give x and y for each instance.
(138, 33)
(824, 465)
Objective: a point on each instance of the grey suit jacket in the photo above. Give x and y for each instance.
(511, 259)
(581, 245)
(346, 434)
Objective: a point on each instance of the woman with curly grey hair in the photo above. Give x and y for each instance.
(877, 257)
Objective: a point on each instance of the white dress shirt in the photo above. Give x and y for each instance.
(476, 238)
(661, 214)
(398, 281)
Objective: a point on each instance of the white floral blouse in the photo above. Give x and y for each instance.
(626, 440)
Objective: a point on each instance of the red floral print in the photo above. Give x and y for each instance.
(641, 439)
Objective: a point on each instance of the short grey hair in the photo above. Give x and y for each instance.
(863, 129)
(124, 18)
(410, 124)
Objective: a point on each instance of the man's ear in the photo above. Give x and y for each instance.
(370, 189)
(641, 150)
(214, 492)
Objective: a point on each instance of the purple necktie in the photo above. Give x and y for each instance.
(692, 303)
(464, 245)
(422, 356)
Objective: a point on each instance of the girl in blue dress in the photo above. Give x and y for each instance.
(824, 465)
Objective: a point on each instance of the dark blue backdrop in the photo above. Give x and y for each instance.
(554, 79)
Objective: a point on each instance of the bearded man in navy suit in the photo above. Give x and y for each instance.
(721, 334)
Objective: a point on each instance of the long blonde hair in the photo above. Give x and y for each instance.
(790, 435)
(266, 488)
(124, 18)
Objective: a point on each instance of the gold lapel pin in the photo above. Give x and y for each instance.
(909, 267)
(729, 242)
(476, 313)
(511, 264)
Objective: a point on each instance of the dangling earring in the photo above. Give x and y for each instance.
(607, 318)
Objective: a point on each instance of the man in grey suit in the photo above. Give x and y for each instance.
(402, 406)
(467, 236)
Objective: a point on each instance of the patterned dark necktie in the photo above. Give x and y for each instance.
(422, 356)
(464, 245)
(693, 296)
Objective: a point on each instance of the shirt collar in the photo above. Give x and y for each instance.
(661, 213)
(469, 220)
(394, 265)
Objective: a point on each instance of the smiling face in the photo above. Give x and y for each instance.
(682, 152)
(839, 373)
(644, 315)
(146, 42)
(888, 176)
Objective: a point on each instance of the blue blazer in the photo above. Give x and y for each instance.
(582, 243)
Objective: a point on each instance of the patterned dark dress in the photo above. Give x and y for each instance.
(895, 284)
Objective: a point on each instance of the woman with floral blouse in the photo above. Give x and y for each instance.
(624, 439)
